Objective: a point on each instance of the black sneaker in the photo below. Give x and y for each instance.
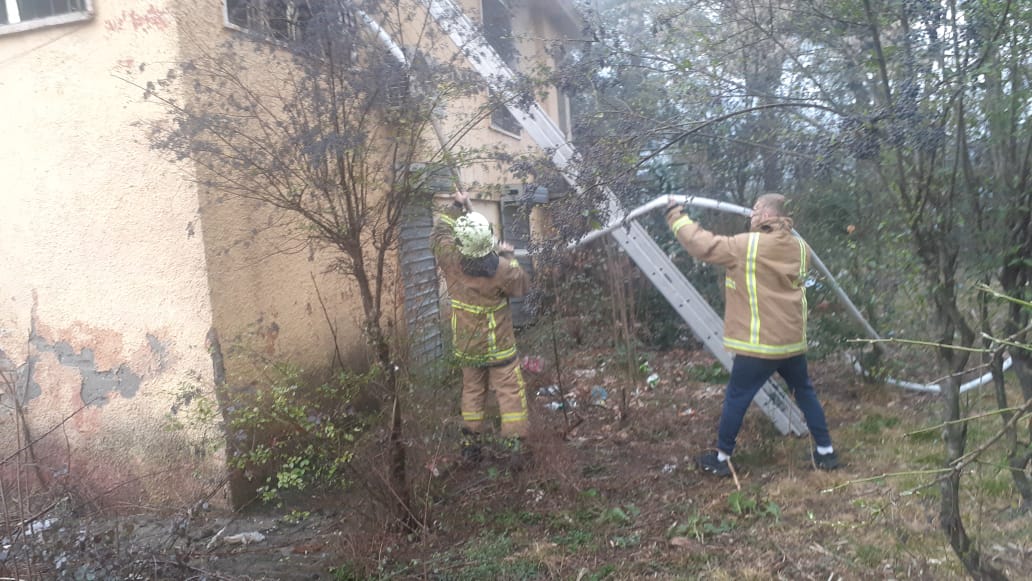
(708, 462)
(469, 445)
(827, 461)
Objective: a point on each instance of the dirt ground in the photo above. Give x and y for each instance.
(601, 499)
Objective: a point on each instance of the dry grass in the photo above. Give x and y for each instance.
(608, 502)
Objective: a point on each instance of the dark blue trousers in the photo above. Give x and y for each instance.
(748, 374)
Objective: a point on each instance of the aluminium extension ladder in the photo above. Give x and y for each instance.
(633, 238)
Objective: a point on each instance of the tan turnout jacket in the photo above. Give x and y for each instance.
(481, 320)
(765, 296)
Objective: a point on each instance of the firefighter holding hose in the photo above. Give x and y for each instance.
(764, 319)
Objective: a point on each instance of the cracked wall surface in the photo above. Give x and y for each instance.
(104, 299)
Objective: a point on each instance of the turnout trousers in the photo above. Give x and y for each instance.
(507, 382)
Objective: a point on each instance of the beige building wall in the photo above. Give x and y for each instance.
(274, 295)
(105, 298)
(268, 289)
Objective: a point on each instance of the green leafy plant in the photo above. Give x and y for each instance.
(743, 504)
(715, 529)
(301, 436)
(712, 373)
(699, 526)
(620, 515)
(296, 516)
(740, 503)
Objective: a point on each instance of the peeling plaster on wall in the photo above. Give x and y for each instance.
(96, 385)
(102, 289)
(25, 388)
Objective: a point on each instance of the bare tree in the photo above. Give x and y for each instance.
(335, 131)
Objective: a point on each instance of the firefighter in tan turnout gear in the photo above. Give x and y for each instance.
(764, 319)
(482, 275)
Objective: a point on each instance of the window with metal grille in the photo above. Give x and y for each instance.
(24, 14)
(283, 20)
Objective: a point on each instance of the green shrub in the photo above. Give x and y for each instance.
(300, 436)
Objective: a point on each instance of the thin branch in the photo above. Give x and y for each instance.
(886, 475)
(960, 463)
(921, 343)
(333, 330)
(43, 435)
(999, 295)
(962, 421)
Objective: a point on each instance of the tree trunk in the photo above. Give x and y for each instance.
(953, 526)
(1021, 452)
(950, 519)
(397, 470)
(398, 475)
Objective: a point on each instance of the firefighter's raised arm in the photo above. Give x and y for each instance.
(461, 200)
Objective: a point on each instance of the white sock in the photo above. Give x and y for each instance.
(722, 457)
(825, 450)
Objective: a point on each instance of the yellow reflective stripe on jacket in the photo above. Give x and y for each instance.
(762, 349)
(802, 283)
(751, 288)
(492, 357)
(447, 219)
(454, 327)
(507, 353)
(473, 416)
(802, 261)
(492, 337)
(680, 223)
(476, 309)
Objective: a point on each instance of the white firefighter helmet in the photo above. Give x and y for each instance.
(473, 233)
